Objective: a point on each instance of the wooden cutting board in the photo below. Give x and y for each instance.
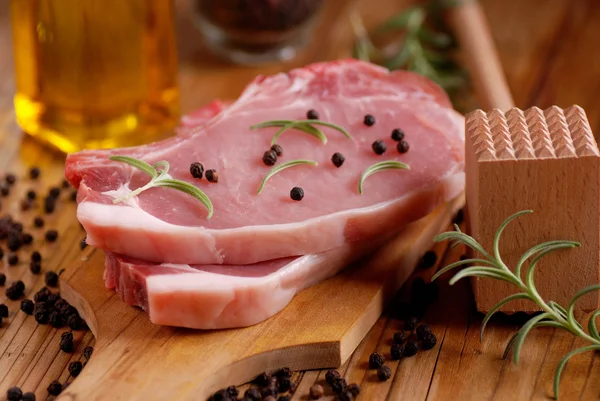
(136, 360)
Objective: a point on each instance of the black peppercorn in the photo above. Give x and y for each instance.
(29, 396)
(221, 395)
(422, 330)
(284, 372)
(277, 149)
(13, 259)
(397, 134)
(18, 227)
(316, 392)
(38, 222)
(428, 260)
(369, 120)
(212, 175)
(354, 389)
(51, 279)
(399, 337)
(65, 183)
(41, 316)
(4, 189)
(74, 322)
(284, 384)
(49, 204)
(345, 395)
(10, 178)
(376, 360)
(26, 238)
(34, 172)
(52, 298)
(252, 394)
(73, 196)
(75, 368)
(2, 279)
(410, 349)
(410, 323)
(51, 235)
(1, 253)
(55, 388)
(55, 319)
(379, 147)
(269, 158)
(269, 391)
(428, 341)
(312, 115)
(25, 205)
(87, 352)
(42, 295)
(397, 351)
(31, 195)
(331, 376)
(263, 379)
(35, 267)
(384, 373)
(14, 394)
(14, 242)
(196, 170)
(402, 147)
(284, 398)
(269, 398)
(36, 256)
(232, 391)
(66, 342)
(338, 159)
(297, 193)
(54, 192)
(15, 291)
(3, 310)
(27, 306)
(19, 285)
(339, 386)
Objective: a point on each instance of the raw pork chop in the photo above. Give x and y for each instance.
(162, 225)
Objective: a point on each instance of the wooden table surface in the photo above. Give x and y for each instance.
(549, 52)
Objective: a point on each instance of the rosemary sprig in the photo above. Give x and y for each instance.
(307, 126)
(377, 167)
(553, 315)
(281, 167)
(160, 177)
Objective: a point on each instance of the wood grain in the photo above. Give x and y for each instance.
(548, 51)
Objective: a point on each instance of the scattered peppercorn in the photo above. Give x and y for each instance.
(14, 242)
(55, 388)
(232, 391)
(34, 172)
(65, 183)
(316, 392)
(410, 349)
(212, 175)
(35, 267)
(25, 205)
(31, 195)
(4, 189)
(269, 398)
(66, 342)
(29, 396)
(284, 398)
(384, 373)
(74, 322)
(196, 170)
(87, 352)
(14, 394)
(428, 341)
(52, 298)
(51, 235)
(397, 134)
(10, 178)
(332, 376)
(1, 253)
(428, 260)
(379, 147)
(369, 120)
(339, 386)
(49, 204)
(269, 158)
(54, 192)
(345, 395)
(36, 256)
(26, 239)
(2, 279)
(284, 384)
(51, 279)
(297, 193)
(15, 291)
(312, 114)
(422, 330)
(73, 196)
(18, 227)
(354, 389)
(3, 310)
(271, 390)
(338, 159)
(41, 316)
(27, 306)
(399, 337)
(277, 149)
(397, 351)
(402, 147)
(263, 379)
(410, 323)
(42, 295)
(38, 222)
(376, 360)
(252, 394)
(55, 319)
(75, 368)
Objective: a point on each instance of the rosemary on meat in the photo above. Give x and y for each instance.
(281, 167)
(307, 126)
(553, 315)
(377, 167)
(160, 177)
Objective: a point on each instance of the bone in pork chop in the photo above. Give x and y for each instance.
(163, 225)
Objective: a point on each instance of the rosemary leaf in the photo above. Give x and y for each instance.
(527, 327)
(309, 129)
(564, 361)
(592, 325)
(496, 308)
(307, 126)
(189, 189)
(139, 164)
(571, 308)
(377, 167)
(281, 167)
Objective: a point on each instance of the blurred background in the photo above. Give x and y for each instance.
(121, 72)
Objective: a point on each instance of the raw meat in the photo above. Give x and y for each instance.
(162, 225)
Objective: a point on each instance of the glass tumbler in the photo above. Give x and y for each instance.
(95, 73)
